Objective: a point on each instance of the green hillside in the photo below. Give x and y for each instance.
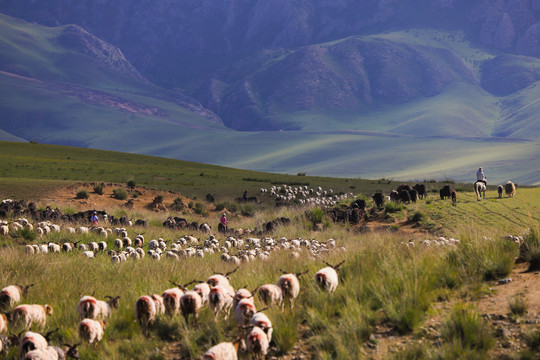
(64, 86)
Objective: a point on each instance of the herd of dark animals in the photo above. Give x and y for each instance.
(407, 194)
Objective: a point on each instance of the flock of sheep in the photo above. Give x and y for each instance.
(304, 195)
(216, 293)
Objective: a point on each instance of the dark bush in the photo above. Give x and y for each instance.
(82, 194)
(120, 194)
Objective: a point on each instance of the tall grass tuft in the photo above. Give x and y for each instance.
(518, 305)
(530, 250)
(466, 335)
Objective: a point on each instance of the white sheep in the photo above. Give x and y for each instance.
(12, 295)
(261, 320)
(4, 230)
(32, 341)
(49, 353)
(145, 312)
(190, 304)
(244, 311)
(257, 342)
(30, 314)
(220, 299)
(118, 244)
(203, 289)
(327, 278)
(3, 323)
(91, 308)
(171, 300)
(223, 351)
(290, 286)
(271, 294)
(91, 330)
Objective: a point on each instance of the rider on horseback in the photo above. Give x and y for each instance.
(480, 176)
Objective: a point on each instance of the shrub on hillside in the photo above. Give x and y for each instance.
(315, 215)
(120, 194)
(200, 209)
(98, 189)
(247, 210)
(229, 205)
(158, 199)
(393, 207)
(418, 216)
(131, 184)
(82, 194)
(177, 204)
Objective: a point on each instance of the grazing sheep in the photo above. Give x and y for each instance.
(4, 230)
(91, 308)
(49, 353)
(203, 289)
(220, 299)
(327, 278)
(242, 294)
(271, 294)
(29, 249)
(223, 351)
(91, 330)
(160, 305)
(32, 341)
(30, 314)
(11, 295)
(3, 323)
(510, 189)
(290, 286)
(500, 190)
(257, 343)
(68, 351)
(190, 304)
(261, 320)
(244, 311)
(145, 311)
(171, 300)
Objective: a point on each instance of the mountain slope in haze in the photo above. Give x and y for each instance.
(176, 43)
(59, 83)
(356, 74)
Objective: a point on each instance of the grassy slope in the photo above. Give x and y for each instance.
(42, 103)
(369, 276)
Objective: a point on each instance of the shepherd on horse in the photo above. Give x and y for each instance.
(480, 185)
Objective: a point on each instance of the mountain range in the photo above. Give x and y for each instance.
(397, 88)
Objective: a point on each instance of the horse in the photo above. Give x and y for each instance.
(479, 187)
(510, 189)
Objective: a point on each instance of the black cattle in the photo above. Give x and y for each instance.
(378, 198)
(421, 189)
(414, 195)
(446, 192)
(404, 187)
(500, 190)
(404, 196)
(359, 204)
(454, 197)
(394, 196)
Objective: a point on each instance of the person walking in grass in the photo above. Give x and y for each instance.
(94, 219)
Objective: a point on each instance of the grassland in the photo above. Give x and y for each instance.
(421, 300)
